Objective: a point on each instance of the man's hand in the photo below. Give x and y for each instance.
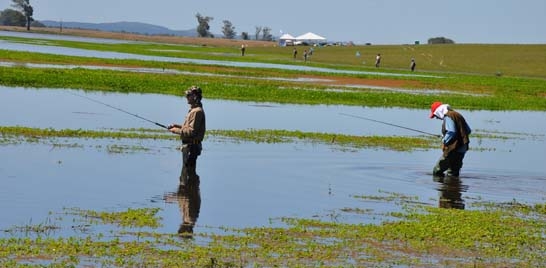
(174, 128)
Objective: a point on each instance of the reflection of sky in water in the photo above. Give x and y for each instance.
(301, 180)
(61, 109)
(242, 184)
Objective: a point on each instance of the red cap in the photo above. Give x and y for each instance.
(433, 108)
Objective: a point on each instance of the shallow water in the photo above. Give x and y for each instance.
(246, 184)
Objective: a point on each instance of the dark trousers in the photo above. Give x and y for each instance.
(452, 163)
(190, 152)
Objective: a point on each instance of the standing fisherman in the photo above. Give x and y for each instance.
(191, 133)
(455, 139)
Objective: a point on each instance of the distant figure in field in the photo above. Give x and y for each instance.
(412, 64)
(305, 55)
(377, 60)
(243, 48)
(295, 53)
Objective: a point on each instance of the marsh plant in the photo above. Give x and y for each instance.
(490, 235)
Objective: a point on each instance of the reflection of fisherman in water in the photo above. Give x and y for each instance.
(188, 197)
(450, 192)
(189, 202)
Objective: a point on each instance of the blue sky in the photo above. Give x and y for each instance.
(374, 21)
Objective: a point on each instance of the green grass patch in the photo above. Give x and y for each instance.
(503, 93)
(398, 143)
(494, 235)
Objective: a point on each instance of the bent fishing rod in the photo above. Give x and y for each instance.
(377, 121)
(121, 110)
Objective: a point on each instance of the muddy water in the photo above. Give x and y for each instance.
(248, 184)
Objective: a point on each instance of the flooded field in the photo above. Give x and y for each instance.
(243, 183)
(33, 46)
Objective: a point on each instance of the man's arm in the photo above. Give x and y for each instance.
(451, 131)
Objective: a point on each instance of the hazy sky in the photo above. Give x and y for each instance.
(374, 21)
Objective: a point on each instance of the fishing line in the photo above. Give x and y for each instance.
(377, 121)
(121, 110)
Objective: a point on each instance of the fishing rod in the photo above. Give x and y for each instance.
(377, 121)
(121, 110)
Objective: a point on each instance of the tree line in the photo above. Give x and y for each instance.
(22, 12)
(21, 15)
(228, 30)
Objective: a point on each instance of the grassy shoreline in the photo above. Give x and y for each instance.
(467, 91)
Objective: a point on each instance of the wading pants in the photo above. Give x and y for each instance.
(190, 152)
(453, 163)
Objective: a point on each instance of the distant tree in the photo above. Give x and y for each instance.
(258, 31)
(10, 17)
(440, 40)
(244, 36)
(228, 29)
(266, 34)
(27, 10)
(203, 26)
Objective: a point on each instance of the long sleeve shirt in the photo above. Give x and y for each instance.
(193, 129)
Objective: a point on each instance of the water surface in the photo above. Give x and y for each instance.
(244, 184)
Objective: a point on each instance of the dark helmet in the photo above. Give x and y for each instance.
(195, 91)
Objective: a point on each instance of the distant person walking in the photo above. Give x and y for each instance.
(412, 64)
(305, 55)
(455, 139)
(377, 60)
(295, 53)
(243, 49)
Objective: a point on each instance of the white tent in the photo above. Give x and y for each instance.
(310, 37)
(286, 39)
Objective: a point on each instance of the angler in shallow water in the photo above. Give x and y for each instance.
(191, 132)
(455, 139)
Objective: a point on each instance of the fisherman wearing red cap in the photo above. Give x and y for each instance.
(455, 139)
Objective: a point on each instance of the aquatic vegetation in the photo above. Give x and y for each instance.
(494, 235)
(37, 133)
(140, 217)
(398, 143)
